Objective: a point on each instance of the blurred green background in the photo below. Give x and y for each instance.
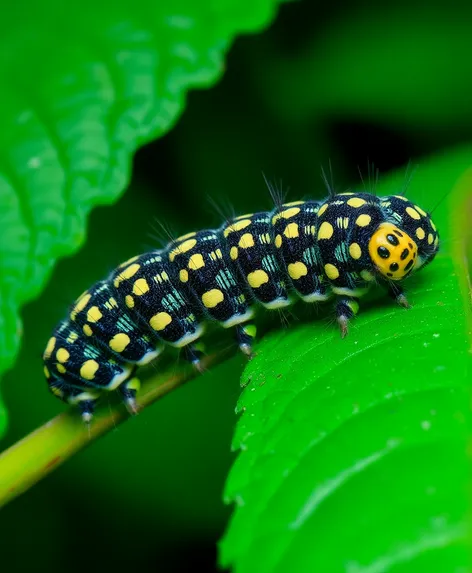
(388, 84)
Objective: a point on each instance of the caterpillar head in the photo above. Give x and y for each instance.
(404, 243)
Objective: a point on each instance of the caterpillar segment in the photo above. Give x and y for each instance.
(207, 276)
(309, 250)
(250, 241)
(298, 253)
(98, 347)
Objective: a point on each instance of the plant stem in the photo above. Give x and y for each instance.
(46, 448)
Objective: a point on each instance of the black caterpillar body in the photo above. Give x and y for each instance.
(312, 250)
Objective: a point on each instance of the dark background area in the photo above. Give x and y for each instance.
(323, 85)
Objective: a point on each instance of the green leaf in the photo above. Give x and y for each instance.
(83, 87)
(353, 451)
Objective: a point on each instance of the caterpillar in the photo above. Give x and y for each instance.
(310, 250)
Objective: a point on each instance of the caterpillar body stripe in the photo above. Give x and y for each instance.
(312, 250)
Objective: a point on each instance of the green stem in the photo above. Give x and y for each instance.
(46, 448)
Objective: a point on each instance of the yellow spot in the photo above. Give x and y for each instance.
(87, 330)
(61, 368)
(119, 342)
(196, 262)
(401, 197)
(287, 214)
(326, 230)
(367, 276)
(129, 300)
(433, 225)
(88, 369)
(347, 193)
(127, 262)
(355, 251)
(430, 239)
(293, 203)
(331, 271)
(212, 298)
(183, 275)
(94, 314)
(356, 202)
(217, 254)
(164, 276)
(436, 242)
(238, 226)
(291, 231)
(233, 253)
(257, 278)
(160, 320)
(363, 220)
(57, 391)
(73, 336)
(246, 216)
(342, 222)
(297, 270)
(420, 233)
(112, 302)
(246, 241)
(182, 248)
(278, 241)
(49, 347)
(80, 305)
(187, 245)
(46, 372)
(322, 209)
(127, 273)
(185, 237)
(413, 214)
(62, 355)
(140, 287)
(420, 210)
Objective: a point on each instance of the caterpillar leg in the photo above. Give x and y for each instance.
(398, 294)
(245, 335)
(193, 353)
(85, 400)
(87, 408)
(128, 391)
(346, 308)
